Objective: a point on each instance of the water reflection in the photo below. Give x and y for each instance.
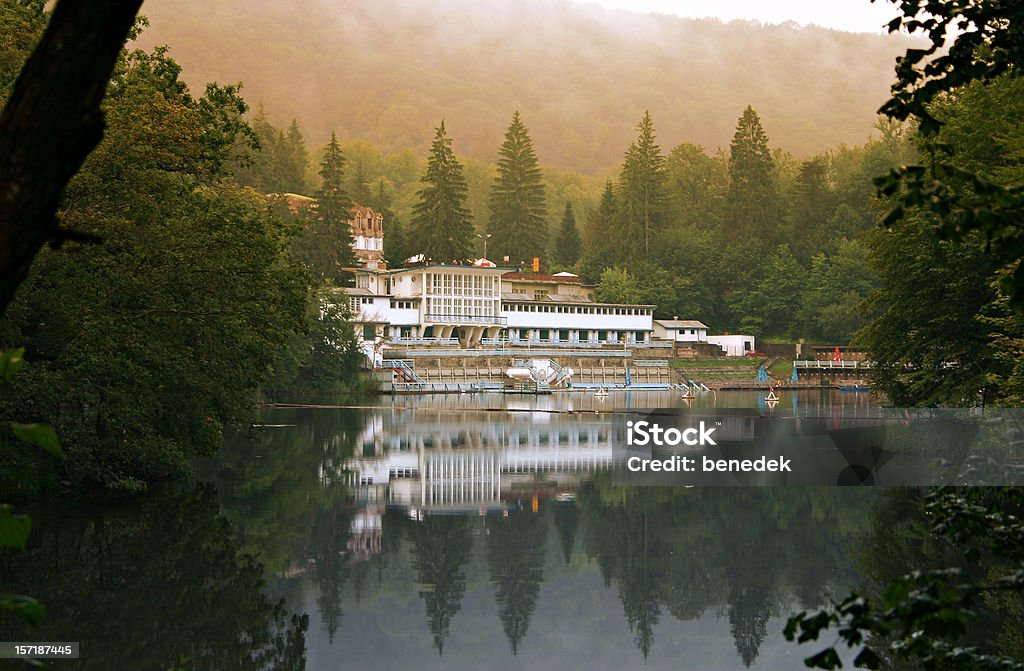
(451, 532)
(486, 529)
(151, 586)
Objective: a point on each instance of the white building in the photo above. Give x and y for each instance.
(474, 305)
(734, 345)
(680, 330)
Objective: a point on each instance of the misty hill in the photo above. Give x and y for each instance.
(387, 71)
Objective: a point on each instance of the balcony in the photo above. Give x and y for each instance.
(434, 318)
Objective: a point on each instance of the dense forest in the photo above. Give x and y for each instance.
(186, 298)
(386, 72)
(745, 239)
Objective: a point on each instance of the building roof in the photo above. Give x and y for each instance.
(526, 298)
(563, 298)
(680, 323)
(520, 297)
(560, 278)
(359, 291)
(356, 208)
(425, 266)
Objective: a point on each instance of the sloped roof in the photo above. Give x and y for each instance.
(680, 323)
(534, 277)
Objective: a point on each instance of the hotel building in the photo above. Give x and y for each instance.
(469, 306)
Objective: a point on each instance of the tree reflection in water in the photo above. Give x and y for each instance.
(151, 584)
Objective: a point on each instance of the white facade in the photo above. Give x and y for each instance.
(577, 323)
(473, 305)
(734, 345)
(677, 330)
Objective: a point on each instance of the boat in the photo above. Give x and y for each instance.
(852, 385)
(772, 396)
(601, 393)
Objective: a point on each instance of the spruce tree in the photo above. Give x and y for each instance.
(642, 194)
(328, 243)
(517, 203)
(598, 238)
(394, 233)
(567, 247)
(442, 226)
(360, 186)
(752, 199)
(296, 159)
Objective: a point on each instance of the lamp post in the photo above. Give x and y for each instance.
(484, 237)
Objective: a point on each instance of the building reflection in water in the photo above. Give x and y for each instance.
(471, 461)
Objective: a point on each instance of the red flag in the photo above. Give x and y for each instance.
(835, 355)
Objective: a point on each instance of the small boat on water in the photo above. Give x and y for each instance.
(601, 393)
(772, 396)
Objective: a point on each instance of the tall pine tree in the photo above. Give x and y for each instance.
(327, 245)
(598, 238)
(518, 207)
(642, 194)
(567, 246)
(394, 233)
(752, 201)
(296, 159)
(442, 226)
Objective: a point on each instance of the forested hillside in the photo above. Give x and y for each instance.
(386, 72)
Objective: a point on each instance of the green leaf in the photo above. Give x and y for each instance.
(25, 607)
(11, 361)
(867, 659)
(826, 659)
(14, 529)
(42, 435)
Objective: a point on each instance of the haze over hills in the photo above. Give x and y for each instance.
(387, 71)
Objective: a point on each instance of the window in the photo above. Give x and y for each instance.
(539, 295)
(369, 332)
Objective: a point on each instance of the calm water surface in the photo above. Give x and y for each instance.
(444, 532)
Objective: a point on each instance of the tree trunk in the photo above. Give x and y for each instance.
(51, 123)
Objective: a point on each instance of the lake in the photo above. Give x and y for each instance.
(445, 532)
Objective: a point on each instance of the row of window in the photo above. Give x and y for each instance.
(364, 243)
(573, 309)
(356, 303)
(574, 336)
(455, 284)
(476, 307)
(403, 305)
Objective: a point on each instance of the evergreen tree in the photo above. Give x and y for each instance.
(567, 522)
(441, 224)
(752, 198)
(517, 202)
(811, 210)
(567, 246)
(642, 194)
(327, 245)
(597, 236)
(515, 557)
(442, 547)
(394, 233)
(360, 187)
(297, 160)
(264, 169)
